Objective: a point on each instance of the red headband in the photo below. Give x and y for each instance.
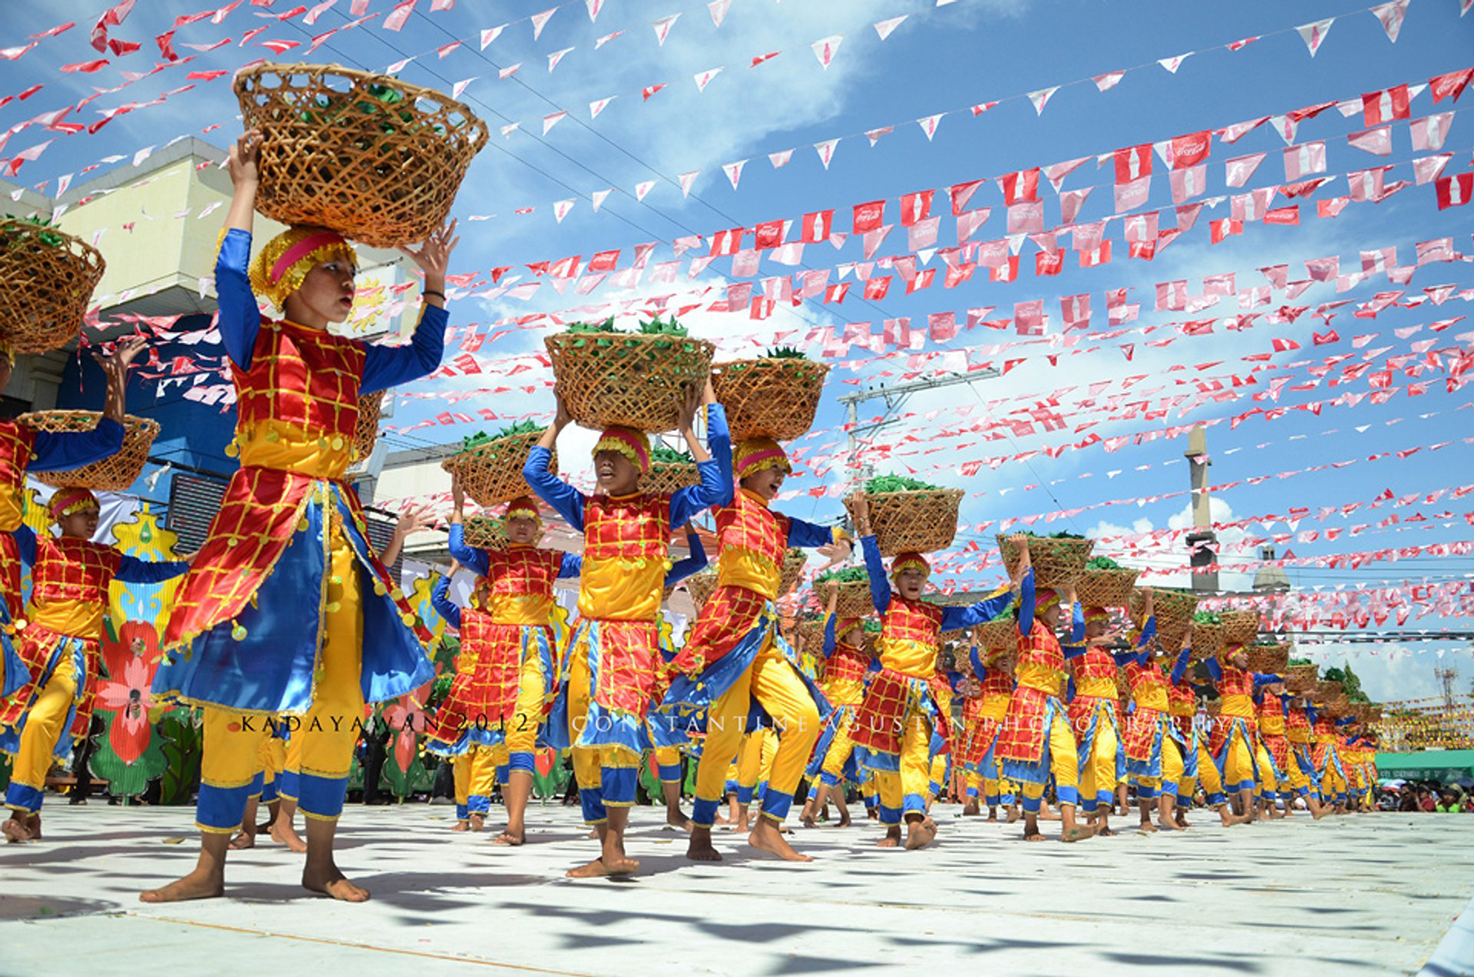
(302, 248)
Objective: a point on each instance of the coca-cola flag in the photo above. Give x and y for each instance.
(1133, 163)
(915, 207)
(1429, 133)
(1189, 150)
(1385, 106)
(1020, 187)
(1454, 191)
(1239, 169)
(1377, 141)
(1304, 159)
(868, 216)
(817, 226)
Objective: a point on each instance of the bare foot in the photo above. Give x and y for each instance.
(510, 838)
(700, 849)
(477, 822)
(15, 831)
(767, 837)
(1104, 832)
(285, 834)
(195, 885)
(1078, 833)
(892, 837)
(33, 825)
(1170, 824)
(1034, 835)
(971, 809)
(1013, 815)
(992, 817)
(1146, 827)
(243, 840)
(871, 814)
(808, 821)
(675, 819)
(919, 834)
(844, 820)
(461, 826)
(331, 882)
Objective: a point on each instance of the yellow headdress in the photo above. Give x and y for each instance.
(279, 268)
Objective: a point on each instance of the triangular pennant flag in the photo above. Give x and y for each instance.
(553, 119)
(508, 71)
(561, 207)
(780, 159)
(734, 171)
(643, 188)
(1041, 97)
(539, 21)
(597, 106)
(884, 27)
(874, 134)
(460, 86)
(929, 125)
(704, 78)
(663, 26)
(1314, 34)
(825, 150)
(718, 10)
(1109, 80)
(594, 7)
(510, 128)
(1058, 171)
(600, 42)
(825, 49)
(491, 34)
(555, 57)
(650, 90)
(1391, 15)
(1173, 63)
(687, 179)
(598, 197)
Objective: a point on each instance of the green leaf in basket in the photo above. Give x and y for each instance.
(1300, 661)
(661, 455)
(847, 575)
(662, 327)
(881, 484)
(606, 326)
(1102, 563)
(1206, 617)
(871, 625)
(785, 353)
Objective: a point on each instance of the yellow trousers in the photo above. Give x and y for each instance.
(45, 724)
(321, 749)
(774, 683)
(1268, 784)
(1170, 783)
(460, 768)
(606, 777)
(841, 748)
(937, 785)
(1063, 763)
(1238, 764)
(903, 792)
(1098, 774)
(532, 687)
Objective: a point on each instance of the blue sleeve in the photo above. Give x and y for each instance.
(1026, 603)
(957, 618)
(470, 557)
(682, 569)
(880, 588)
(716, 475)
(389, 366)
(1148, 632)
(240, 319)
(954, 679)
(566, 500)
(444, 606)
(978, 668)
(1069, 688)
(809, 535)
(1077, 622)
(831, 622)
(25, 538)
(1310, 713)
(1265, 678)
(572, 566)
(1073, 651)
(1214, 669)
(1124, 658)
(133, 570)
(1179, 668)
(63, 451)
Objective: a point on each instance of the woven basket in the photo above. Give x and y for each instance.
(903, 522)
(335, 154)
(1301, 679)
(1240, 627)
(1105, 588)
(485, 533)
(701, 586)
(794, 562)
(1123, 682)
(1173, 610)
(113, 473)
(46, 284)
(1270, 659)
(491, 473)
(626, 379)
(1215, 706)
(812, 633)
(666, 478)
(1337, 704)
(853, 599)
(1207, 639)
(999, 633)
(366, 434)
(1057, 562)
(775, 397)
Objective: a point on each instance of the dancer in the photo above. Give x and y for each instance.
(1234, 744)
(60, 646)
(901, 710)
(23, 449)
(1036, 739)
(668, 758)
(736, 664)
(995, 692)
(1154, 743)
(1092, 711)
(846, 665)
(1274, 748)
(290, 527)
(608, 673)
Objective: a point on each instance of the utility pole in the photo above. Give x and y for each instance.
(1202, 542)
(895, 397)
(1447, 676)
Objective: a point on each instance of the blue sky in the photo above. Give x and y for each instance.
(940, 59)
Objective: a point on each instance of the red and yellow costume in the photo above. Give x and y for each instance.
(1097, 727)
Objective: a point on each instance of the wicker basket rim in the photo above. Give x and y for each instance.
(558, 338)
(908, 493)
(36, 418)
(410, 90)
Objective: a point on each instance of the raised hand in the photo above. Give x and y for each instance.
(686, 407)
(457, 498)
(860, 513)
(433, 257)
(244, 158)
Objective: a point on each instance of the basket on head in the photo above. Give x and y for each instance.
(609, 379)
(112, 474)
(1105, 588)
(366, 434)
(794, 562)
(812, 633)
(668, 477)
(1207, 640)
(853, 599)
(1173, 610)
(1301, 679)
(368, 155)
(1270, 659)
(46, 283)
(923, 521)
(701, 586)
(1215, 707)
(485, 533)
(1058, 561)
(773, 397)
(1240, 627)
(491, 473)
(1326, 692)
(999, 633)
